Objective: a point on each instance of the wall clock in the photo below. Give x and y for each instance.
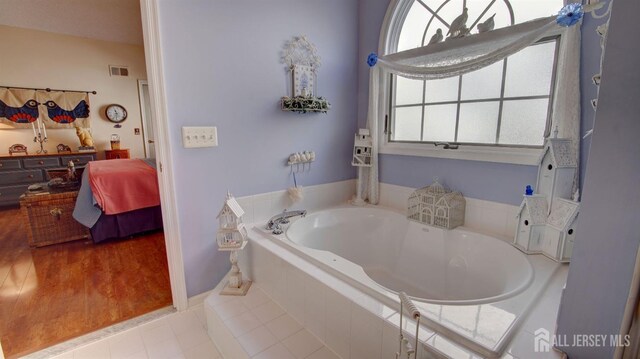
(116, 113)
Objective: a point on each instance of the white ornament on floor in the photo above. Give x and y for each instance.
(232, 237)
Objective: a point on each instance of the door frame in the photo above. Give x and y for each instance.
(155, 77)
(144, 114)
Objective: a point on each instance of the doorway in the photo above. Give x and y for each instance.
(147, 119)
(27, 271)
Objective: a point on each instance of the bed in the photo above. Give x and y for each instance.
(99, 208)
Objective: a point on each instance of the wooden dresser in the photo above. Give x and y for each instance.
(48, 217)
(116, 154)
(19, 171)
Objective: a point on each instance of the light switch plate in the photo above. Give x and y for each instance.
(196, 137)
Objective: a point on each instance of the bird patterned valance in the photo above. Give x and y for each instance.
(55, 109)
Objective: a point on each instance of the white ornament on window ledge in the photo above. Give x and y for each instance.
(362, 149)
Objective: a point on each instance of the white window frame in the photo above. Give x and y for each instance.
(389, 35)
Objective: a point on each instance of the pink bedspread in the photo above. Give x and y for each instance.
(123, 185)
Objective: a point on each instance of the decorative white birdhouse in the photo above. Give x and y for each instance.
(552, 235)
(557, 169)
(436, 206)
(231, 230)
(547, 220)
(362, 147)
(232, 237)
(560, 230)
(532, 220)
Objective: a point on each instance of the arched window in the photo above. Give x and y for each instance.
(507, 104)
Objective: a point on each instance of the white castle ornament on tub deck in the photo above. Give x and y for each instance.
(232, 237)
(437, 206)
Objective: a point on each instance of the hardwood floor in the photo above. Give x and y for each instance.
(55, 293)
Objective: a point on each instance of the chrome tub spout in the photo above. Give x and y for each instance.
(283, 218)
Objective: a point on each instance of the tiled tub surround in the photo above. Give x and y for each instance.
(259, 208)
(486, 329)
(293, 277)
(492, 218)
(354, 324)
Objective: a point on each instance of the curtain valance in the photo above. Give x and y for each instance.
(458, 56)
(467, 54)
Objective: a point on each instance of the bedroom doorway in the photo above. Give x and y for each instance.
(117, 280)
(147, 119)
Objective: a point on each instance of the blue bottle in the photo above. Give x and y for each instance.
(529, 190)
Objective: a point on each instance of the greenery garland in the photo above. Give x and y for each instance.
(302, 104)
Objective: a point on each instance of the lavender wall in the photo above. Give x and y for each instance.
(497, 182)
(604, 254)
(222, 69)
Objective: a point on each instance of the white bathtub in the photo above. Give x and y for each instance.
(429, 264)
(473, 289)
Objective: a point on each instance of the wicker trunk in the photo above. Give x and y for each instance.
(48, 219)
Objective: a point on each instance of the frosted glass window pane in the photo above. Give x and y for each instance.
(407, 123)
(442, 90)
(413, 27)
(534, 9)
(502, 18)
(408, 92)
(483, 83)
(529, 71)
(478, 122)
(523, 122)
(439, 123)
(416, 21)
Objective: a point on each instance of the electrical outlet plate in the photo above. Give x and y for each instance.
(196, 137)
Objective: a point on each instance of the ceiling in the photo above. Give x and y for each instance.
(110, 20)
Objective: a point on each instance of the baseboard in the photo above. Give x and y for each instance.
(196, 299)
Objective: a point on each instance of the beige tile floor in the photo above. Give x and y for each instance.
(175, 336)
(265, 330)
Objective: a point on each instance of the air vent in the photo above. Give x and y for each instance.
(118, 70)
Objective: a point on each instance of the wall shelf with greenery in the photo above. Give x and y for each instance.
(301, 104)
(302, 62)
